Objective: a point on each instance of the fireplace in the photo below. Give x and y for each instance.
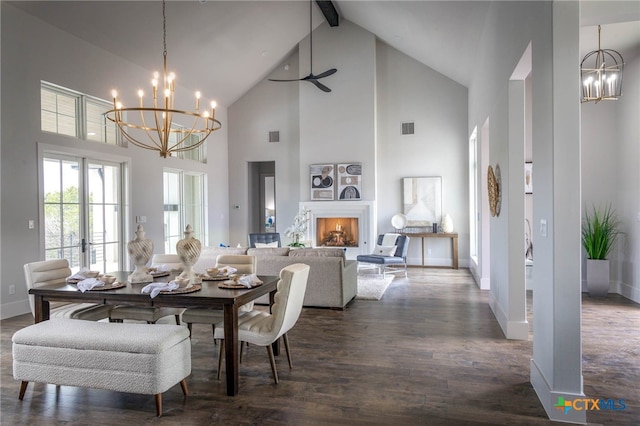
(345, 224)
(337, 232)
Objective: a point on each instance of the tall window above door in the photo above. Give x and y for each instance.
(184, 204)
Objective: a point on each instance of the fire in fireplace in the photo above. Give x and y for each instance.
(337, 231)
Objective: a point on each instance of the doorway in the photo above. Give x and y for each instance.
(262, 197)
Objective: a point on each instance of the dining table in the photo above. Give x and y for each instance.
(208, 294)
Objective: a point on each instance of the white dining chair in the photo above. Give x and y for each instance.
(263, 328)
(150, 314)
(244, 264)
(56, 271)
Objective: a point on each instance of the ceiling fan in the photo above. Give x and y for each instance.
(311, 78)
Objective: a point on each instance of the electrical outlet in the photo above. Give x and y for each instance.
(12, 289)
(32, 224)
(543, 227)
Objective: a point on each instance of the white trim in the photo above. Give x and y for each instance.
(548, 397)
(13, 309)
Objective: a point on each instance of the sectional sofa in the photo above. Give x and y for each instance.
(332, 278)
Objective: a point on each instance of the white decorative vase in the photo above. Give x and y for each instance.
(188, 250)
(598, 277)
(140, 250)
(447, 223)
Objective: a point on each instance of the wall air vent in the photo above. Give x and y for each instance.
(407, 128)
(274, 136)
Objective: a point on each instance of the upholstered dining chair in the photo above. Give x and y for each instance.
(143, 313)
(56, 271)
(245, 265)
(264, 238)
(262, 328)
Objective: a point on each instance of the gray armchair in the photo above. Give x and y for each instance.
(397, 262)
(265, 238)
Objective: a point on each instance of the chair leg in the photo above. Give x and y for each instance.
(286, 348)
(189, 326)
(272, 360)
(177, 319)
(213, 332)
(158, 404)
(23, 389)
(220, 351)
(183, 385)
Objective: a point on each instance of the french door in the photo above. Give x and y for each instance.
(83, 214)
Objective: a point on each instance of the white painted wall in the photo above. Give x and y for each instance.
(410, 91)
(610, 173)
(268, 106)
(33, 51)
(339, 127)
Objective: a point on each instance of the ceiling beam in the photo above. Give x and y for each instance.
(329, 11)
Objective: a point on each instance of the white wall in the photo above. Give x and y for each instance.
(611, 172)
(410, 91)
(33, 51)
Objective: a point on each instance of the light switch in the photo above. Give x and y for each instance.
(543, 227)
(32, 224)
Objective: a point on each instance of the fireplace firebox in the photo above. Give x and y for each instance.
(337, 232)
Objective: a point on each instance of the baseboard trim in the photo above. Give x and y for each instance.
(13, 309)
(514, 330)
(626, 290)
(549, 398)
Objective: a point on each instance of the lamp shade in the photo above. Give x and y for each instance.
(399, 221)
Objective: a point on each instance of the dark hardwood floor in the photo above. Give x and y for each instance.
(430, 352)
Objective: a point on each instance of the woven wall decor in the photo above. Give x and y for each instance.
(493, 187)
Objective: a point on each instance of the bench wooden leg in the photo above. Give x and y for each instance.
(159, 404)
(23, 389)
(183, 385)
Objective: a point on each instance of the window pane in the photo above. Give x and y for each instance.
(51, 169)
(48, 120)
(70, 181)
(67, 126)
(70, 225)
(96, 184)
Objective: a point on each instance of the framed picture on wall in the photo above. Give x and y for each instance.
(528, 178)
(422, 200)
(322, 181)
(349, 181)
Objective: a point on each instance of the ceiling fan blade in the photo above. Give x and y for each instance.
(296, 79)
(326, 73)
(320, 85)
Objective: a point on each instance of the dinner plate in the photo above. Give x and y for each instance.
(206, 277)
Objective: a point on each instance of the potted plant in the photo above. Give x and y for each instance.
(299, 228)
(600, 229)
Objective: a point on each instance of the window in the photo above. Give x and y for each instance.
(196, 154)
(66, 112)
(59, 110)
(183, 205)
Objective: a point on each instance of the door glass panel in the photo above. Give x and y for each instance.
(104, 217)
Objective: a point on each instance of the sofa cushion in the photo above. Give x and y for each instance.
(269, 251)
(208, 256)
(318, 252)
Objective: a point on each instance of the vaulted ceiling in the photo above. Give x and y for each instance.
(229, 46)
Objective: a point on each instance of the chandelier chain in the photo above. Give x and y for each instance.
(164, 28)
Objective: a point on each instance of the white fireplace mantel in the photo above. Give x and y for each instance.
(362, 210)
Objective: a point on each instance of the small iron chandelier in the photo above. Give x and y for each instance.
(153, 127)
(601, 74)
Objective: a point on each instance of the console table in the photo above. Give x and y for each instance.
(454, 243)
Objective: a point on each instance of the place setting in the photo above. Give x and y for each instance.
(179, 285)
(87, 280)
(219, 274)
(237, 281)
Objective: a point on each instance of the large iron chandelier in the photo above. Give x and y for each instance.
(153, 127)
(601, 74)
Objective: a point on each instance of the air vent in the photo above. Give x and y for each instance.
(407, 128)
(274, 136)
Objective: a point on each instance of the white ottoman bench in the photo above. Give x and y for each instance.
(135, 358)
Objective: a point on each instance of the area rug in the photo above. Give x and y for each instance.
(372, 287)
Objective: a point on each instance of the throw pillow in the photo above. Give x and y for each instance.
(272, 244)
(384, 250)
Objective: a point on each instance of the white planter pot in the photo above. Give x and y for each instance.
(598, 277)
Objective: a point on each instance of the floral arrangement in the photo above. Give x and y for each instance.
(299, 227)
